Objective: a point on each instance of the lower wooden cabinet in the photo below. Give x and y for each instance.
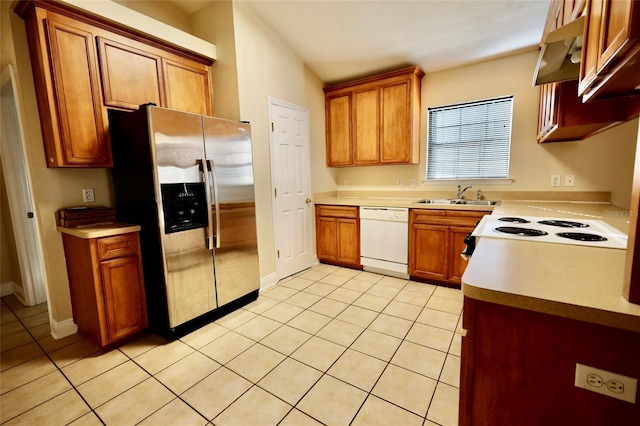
(504, 347)
(436, 240)
(338, 235)
(107, 286)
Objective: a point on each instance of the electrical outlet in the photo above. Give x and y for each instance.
(555, 180)
(569, 180)
(345, 183)
(399, 182)
(88, 196)
(412, 182)
(606, 383)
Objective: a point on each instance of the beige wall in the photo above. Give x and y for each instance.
(601, 163)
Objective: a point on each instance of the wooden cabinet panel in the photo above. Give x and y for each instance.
(187, 87)
(366, 111)
(458, 265)
(76, 107)
(374, 120)
(130, 76)
(395, 124)
(611, 50)
(338, 235)
(123, 298)
(436, 240)
(429, 253)
(503, 347)
(107, 286)
(339, 143)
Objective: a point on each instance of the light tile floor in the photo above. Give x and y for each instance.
(328, 346)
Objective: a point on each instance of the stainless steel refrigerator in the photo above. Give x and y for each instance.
(188, 181)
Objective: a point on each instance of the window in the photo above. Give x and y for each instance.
(470, 140)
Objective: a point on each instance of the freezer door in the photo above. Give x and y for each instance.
(230, 164)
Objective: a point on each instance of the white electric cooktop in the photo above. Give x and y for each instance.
(596, 233)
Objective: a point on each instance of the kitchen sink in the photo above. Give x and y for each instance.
(456, 201)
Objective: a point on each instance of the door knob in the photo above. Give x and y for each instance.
(308, 200)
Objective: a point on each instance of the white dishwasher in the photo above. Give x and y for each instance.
(384, 240)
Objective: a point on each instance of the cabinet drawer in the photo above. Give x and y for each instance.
(446, 217)
(117, 246)
(337, 211)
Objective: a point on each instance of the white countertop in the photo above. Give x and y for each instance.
(578, 282)
(99, 230)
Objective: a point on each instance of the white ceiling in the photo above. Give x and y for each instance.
(345, 39)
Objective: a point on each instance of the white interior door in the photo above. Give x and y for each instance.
(21, 208)
(291, 179)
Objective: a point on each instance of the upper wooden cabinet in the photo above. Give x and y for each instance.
(562, 114)
(73, 120)
(611, 50)
(374, 120)
(83, 65)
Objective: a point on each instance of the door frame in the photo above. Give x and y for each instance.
(271, 103)
(20, 197)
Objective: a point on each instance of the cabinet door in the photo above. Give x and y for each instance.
(395, 125)
(187, 87)
(429, 251)
(130, 77)
(616, 30)
(366, 107)
(81, 121)
(124, 302)
(348, 241)
(327, 238)
(339, 132)
(547, 114)
(456, 262)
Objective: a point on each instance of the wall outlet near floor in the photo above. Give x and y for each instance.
(570, 180)
(88, 196)
(399, 182)
(555, 180)
(606, 383)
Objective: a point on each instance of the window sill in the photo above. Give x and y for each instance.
(505, 181)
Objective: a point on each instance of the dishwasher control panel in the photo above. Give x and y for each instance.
(392, 214)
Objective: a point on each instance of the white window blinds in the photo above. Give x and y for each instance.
(470, 140)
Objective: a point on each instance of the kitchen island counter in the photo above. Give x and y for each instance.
(577, 282)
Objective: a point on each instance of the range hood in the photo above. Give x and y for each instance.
(559, 58)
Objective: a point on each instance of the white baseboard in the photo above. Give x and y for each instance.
(64, 328)
(268, 281)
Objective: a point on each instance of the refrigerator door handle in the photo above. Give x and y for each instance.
(215, 200)
(207, 192)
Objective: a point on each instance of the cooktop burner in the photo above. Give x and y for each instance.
(563, 223)
(513, 219)
(523, 232)
(581, 236)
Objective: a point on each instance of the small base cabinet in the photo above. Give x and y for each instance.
(338, 235)
(436, 240)
(107, 286)
(518, 368)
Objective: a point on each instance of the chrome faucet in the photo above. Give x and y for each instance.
(462, 191)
